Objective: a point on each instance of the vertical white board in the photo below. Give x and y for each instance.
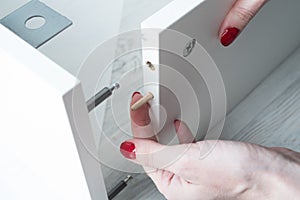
(72, 48)
(243, 65)
(41, 156)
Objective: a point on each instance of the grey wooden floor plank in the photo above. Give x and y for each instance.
(266, 93)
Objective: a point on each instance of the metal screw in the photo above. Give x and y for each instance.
(189, 47)
(115, 86)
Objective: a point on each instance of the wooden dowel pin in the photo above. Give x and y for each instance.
(142, 101)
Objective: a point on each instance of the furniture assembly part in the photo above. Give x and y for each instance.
(48, 153)
(243, 65)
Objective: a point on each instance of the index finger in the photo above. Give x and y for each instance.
(238, 17)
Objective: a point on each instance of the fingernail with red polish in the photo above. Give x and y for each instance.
(135, 94)
(128, 150)
(229, 36)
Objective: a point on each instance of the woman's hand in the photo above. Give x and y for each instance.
(238, 17)
(211, 169)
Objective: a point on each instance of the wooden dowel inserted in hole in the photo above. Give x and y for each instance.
(142, 101)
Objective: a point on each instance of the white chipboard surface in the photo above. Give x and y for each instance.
(251, 58)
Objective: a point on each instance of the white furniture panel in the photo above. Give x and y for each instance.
(265, 43)
(72, 47)
(43, 146)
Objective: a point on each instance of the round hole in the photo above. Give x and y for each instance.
(35, 22)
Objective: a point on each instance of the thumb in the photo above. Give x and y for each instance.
(149, 153)
(140, 120)
(238, 17)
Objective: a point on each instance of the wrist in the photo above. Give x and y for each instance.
(278, 176)
(287, 175)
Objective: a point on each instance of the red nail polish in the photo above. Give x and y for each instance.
(135, 94)
(229, 36)
(128, 150)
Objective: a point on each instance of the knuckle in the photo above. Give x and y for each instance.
(185, 159)
(149, 160)
(146, 156)
(244, 14)
(182, 166)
